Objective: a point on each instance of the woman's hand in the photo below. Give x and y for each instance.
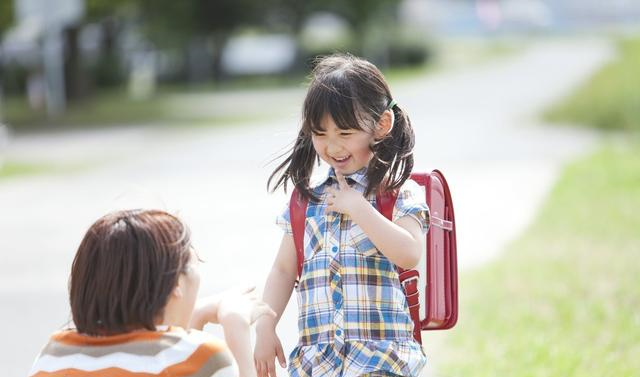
(242, 304)
(344, 199)
(239, 304)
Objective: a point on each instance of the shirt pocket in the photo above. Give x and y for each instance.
(361, 243)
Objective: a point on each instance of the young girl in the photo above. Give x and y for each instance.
(132, 289)
(353, 316)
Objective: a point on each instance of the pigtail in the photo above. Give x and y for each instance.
(297, 168)
(393, 156)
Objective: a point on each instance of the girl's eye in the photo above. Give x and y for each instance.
(346, 133)
(317, 134)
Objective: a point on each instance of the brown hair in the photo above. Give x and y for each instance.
(354, 93)
(125, 269)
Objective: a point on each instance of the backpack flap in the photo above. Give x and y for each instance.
(441, 303)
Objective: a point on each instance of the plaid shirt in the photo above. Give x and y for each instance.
(353, 317)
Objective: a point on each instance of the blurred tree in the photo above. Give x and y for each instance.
(106, 71)
(362, 15)
(6, 21)
(109, 14)
(200, 25)
(6, 15)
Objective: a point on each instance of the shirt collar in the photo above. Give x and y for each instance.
(359, 177)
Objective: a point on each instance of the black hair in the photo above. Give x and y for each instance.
(354, 93)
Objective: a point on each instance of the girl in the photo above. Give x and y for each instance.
(132, 290)
(353, 316)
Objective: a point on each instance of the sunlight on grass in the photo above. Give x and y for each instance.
(563, 299)
(610, 100)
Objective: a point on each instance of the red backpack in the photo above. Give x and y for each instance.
(436, 307)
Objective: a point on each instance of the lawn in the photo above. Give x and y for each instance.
(563, 299)
(610, 100)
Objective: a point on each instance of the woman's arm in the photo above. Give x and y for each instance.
(235, 310)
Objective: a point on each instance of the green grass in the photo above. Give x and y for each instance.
(111, 108)
(611, 99)
(11, 169)
(564, 298)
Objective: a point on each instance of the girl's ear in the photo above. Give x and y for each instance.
(385, 124)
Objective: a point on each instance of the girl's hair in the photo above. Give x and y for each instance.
(353, 92)
(125, 269)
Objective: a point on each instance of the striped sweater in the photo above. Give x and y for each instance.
(170, 352)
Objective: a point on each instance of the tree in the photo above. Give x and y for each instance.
(171, 23)
(6, 15)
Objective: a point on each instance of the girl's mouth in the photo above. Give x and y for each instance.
(341, 162)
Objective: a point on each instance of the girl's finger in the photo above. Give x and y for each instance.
(342, 181)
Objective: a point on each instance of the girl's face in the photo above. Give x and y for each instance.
(347, 151)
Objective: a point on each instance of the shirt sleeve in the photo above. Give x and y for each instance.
(411, 202)
(284, 220)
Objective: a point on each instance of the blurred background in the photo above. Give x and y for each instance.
(530, 107)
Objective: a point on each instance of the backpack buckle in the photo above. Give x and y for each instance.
(441, 223)
(409, 281)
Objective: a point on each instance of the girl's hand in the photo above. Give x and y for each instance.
(243, 305)
(268, 348)
(344, 199)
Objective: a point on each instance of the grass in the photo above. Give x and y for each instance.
(610, 100)
(563, 301)
(110, 108)
(11, 168)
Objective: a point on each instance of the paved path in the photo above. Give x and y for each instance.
(475, 124)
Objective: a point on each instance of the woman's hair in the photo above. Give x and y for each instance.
(125, 269)
(353, 92)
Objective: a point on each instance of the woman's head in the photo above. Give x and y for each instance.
(350, 120)
(126, 269)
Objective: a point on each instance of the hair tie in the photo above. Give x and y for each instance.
(391, 104)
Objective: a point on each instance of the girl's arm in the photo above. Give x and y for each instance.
(401, 241)
(277, 291)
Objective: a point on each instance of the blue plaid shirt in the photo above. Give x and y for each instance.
(353, 317)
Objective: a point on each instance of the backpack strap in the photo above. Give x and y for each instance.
(297, 215)
(409, 279)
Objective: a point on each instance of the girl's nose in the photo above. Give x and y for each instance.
(333, 148)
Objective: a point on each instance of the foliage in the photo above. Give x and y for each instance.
(611, 99)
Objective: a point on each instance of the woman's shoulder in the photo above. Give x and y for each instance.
(148, 351)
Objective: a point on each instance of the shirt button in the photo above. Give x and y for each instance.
(334, 249)
(338, 332)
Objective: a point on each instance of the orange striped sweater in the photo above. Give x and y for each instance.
(171, 352)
